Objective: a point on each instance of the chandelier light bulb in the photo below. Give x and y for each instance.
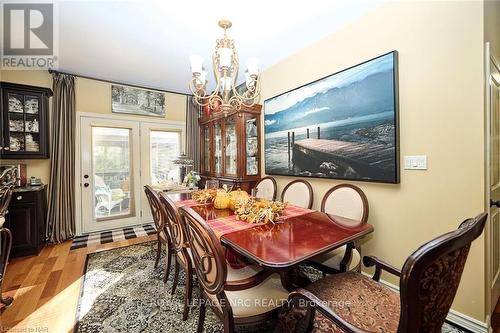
(196, 64)
(253, 66)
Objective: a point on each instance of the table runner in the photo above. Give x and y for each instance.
(228, 224)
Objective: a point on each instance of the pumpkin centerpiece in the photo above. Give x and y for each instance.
(223, 198)
(237, 197)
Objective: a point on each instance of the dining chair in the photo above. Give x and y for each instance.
(348, 201)
(237, 296)
(5, 239)
(299, 193)
(162, 231)
(352, 302)
(266, 188)
(181, 248)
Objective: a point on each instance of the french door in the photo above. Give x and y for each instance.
(117, 158)
(492, 233)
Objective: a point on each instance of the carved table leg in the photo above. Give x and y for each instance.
(294, 278)
(5, 246)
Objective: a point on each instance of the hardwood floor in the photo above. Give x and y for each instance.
(46, 287)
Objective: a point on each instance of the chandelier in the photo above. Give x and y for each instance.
(225, 62)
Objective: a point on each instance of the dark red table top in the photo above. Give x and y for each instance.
(294, 241)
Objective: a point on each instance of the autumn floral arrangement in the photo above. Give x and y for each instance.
(260, 211)
(205, 195)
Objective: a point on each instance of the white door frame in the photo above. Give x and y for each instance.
(181, 125)
(489, 58)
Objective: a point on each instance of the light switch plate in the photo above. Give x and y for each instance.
(417, 162)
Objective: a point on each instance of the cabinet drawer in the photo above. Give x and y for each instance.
(22, 198)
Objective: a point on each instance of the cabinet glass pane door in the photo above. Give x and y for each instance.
(231, 153)
(111, 167)
(24, 123)
(252, 143)
(218, 148)
(164, 149)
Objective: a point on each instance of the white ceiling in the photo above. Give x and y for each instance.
(149, 42)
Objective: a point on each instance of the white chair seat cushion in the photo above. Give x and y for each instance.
(262, 298)
(333, 258)
(181, 257)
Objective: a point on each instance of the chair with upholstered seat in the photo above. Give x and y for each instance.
(266, 188)
(352, 302)
(298, 193)
(238, 297)
(161, 229)
(181, 248)
(348, 201)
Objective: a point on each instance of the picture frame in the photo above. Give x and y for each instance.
(342, 126)
(137, 101)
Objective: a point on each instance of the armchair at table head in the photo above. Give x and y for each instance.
(428, 283)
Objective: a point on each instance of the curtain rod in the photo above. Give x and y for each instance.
(51, 71)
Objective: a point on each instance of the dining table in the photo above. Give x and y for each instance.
(298, 236)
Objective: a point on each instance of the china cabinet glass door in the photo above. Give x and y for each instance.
(231, 147)
(218, 148)
(252, 147)
(24, 123)
(206, 149)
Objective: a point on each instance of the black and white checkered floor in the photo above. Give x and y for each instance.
(112, 236)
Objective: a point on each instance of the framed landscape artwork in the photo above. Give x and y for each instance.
(343, 126)
(138, 101)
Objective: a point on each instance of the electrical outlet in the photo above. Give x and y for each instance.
(417, 162)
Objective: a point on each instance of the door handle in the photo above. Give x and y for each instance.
(494, 203)
(86, 184)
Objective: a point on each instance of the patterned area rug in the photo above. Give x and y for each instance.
(123, 292)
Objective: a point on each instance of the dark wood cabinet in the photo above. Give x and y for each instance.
(25, 124)
(230, 147)
(26, 220)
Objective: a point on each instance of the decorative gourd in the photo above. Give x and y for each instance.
(237, 197)
(222, 200)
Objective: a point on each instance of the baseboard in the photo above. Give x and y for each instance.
(454, 317)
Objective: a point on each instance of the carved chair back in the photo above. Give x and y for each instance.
(346, 200)
(266, 188)
(5, 195)
(174, 222)
(431, 275)
(207, 253)
(299, 193)
(154, 203)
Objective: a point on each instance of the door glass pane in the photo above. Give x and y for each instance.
(231, 147)
(218, 148)
(165, 148)
(112, 167)
(252, 143)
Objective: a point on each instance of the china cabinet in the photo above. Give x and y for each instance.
(230, 147)
(24, 114)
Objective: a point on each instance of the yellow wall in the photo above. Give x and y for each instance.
(91, 96)
(441, 116)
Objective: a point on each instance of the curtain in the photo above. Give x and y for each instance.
(193, 132)
(61, 212)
